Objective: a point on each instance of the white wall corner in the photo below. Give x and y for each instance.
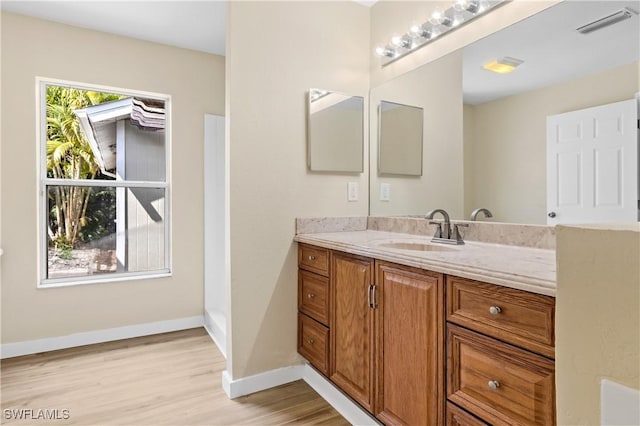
(216, 327)
(268, 379)
(351, 411)
(9, 350)
(619, 405)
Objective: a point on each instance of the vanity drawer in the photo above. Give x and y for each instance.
(515, 316)
(497, 382)
(456, 416)
(313, 343)
(313, 296)
(314, 259)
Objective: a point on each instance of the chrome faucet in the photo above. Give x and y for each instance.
(474, 214)
(440, 232)
(443, 231)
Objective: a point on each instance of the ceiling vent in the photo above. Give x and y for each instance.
(615, 17)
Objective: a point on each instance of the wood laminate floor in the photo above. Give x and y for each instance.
(166, 379)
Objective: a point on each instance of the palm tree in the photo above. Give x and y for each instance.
(69, 156)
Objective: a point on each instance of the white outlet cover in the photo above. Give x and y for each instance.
(352, 191)
(385, 191)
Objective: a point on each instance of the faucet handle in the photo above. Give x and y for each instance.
(438, 233)
(456, 232)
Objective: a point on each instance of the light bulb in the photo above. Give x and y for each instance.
(438, 17)
(384, 51)
(420, 31)
(470, 6)
(399, 41)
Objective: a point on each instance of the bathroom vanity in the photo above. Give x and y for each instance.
(422, 333)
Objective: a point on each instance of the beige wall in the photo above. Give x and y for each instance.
(436, 87)
(276, 51)
(195, 81)
(597, 317)
(395, 17)
(505, 168)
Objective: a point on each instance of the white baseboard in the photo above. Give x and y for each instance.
(269, 379)
(9, 350)
(215, 324)
(262, 381)
(334, 396)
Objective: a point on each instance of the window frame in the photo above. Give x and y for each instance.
(44, 181)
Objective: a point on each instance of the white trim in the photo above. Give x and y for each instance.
(103, 278)
(261, 381)
(9, 350)
(106, 183)
(351, 411)
(216, 331)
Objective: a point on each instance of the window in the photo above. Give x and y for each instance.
(104, 184)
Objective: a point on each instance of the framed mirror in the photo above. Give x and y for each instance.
(485, 140)
(335, 127)
(400, 139)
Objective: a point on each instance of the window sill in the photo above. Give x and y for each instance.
(68, 282)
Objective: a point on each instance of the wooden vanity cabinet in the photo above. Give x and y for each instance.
(313, 306)
(500, 348)
(415, 347)
(352, 327)
(386, 330)
(410, 345)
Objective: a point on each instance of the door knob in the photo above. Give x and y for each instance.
(552, 215)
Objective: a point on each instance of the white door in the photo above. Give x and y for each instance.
(592, 165)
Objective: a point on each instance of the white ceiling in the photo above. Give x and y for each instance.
(552, 50)
(196, 25)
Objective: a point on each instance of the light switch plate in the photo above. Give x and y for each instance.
(352, 191)
(385, 191)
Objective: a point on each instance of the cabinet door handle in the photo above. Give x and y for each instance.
(495, 310)
(373, 297)
(310, 341)
(493, 384)
(312, 258)
(311, 296)
(369, 295)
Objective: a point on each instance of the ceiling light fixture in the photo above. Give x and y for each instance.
(440, 22)
(614, 18)
(504, 65)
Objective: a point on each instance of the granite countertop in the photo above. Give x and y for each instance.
(524, 268)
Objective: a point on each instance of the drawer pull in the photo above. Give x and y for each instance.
(311, 296)
(312, 258)
(494, 310)
(310, 341)
(494, 384)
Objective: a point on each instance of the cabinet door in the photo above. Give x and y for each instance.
(410, 332)
(351, 325)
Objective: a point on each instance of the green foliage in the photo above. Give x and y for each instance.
(69, 156)
(100, 216)
(64, 249)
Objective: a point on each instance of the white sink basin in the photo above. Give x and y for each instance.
(415, 246)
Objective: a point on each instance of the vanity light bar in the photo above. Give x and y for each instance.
(440, 22)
